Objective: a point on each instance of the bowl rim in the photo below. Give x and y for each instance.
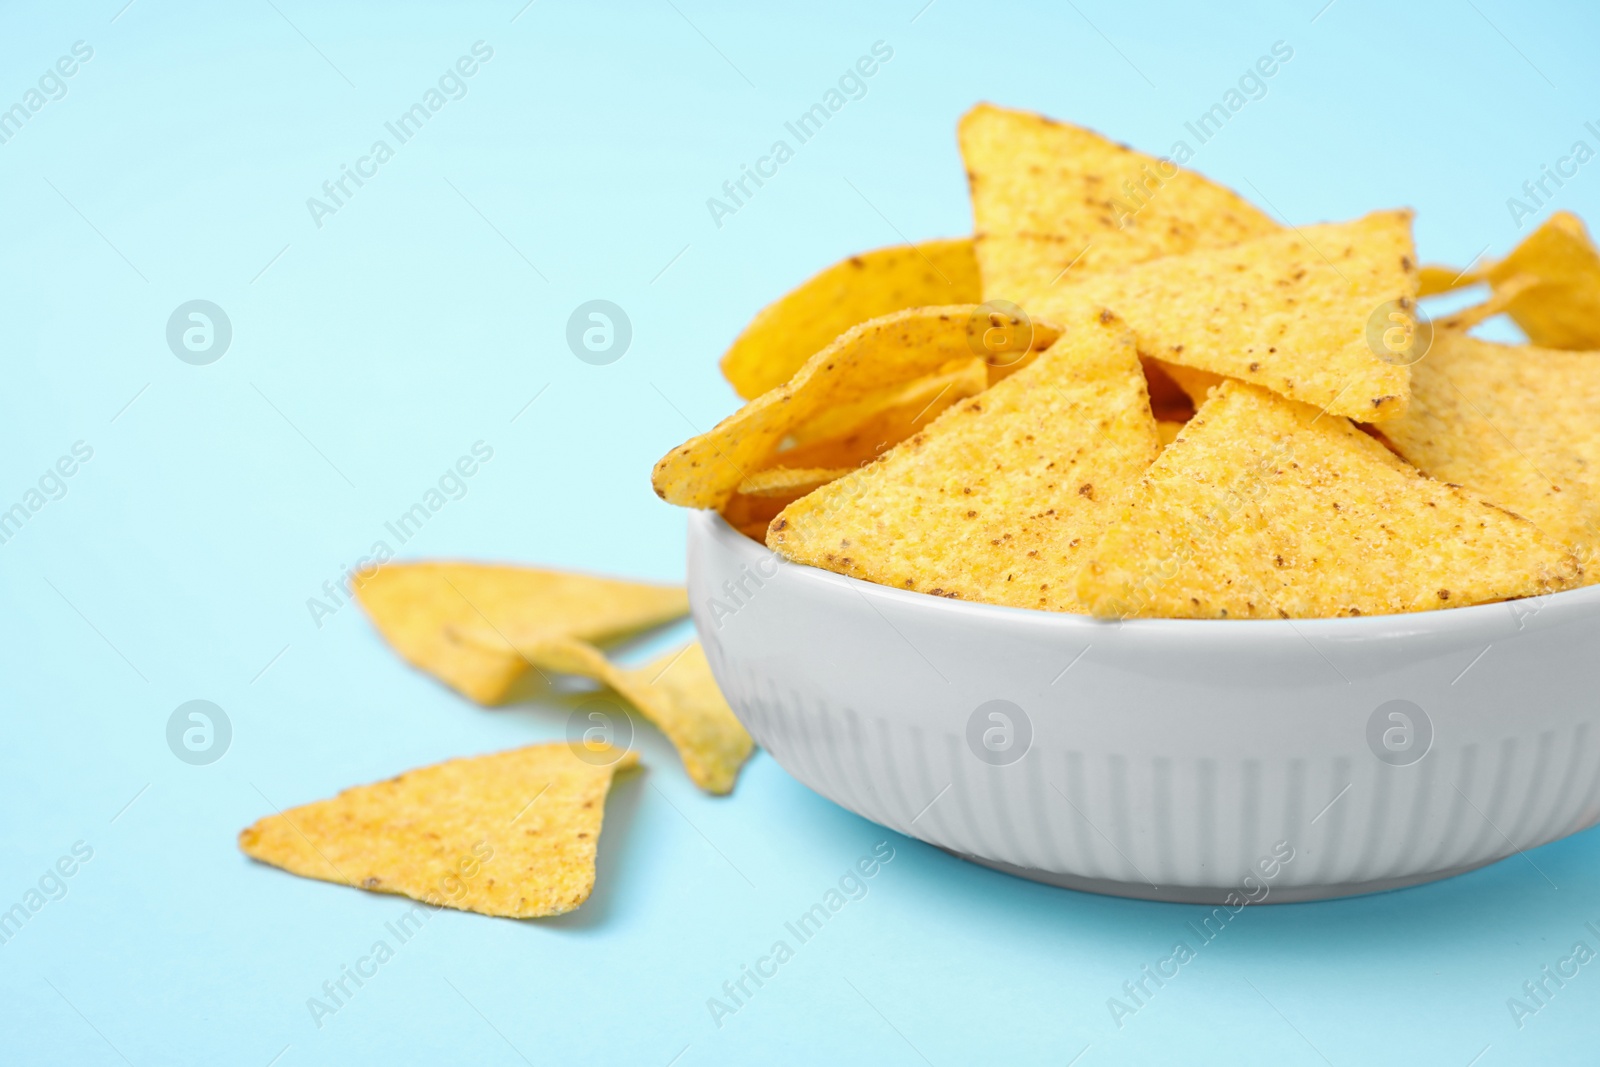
(1440, 621)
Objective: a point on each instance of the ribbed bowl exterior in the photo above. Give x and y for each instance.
(1172, 759)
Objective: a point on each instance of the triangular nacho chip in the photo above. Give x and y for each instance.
(1264, 508)
(1433, 279)
(1514, 423)
(871, 430)
(676, 692)
(1048, 196)
(893, 349)
(992, 501)
(416, 607)
(785, 334)
(1289, 311)
(789, 482)
(1554, 280)
(767, 492)
(510, 834)
(1562, 310)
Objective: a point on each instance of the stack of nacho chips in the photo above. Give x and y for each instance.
(1134, 393)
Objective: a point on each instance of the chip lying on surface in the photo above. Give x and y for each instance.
(993, 500)
(1512, 422)
(676, 692)
(1288, 311)
(705, 471)
(785, 334)
(1265, 508)
(510, 834)
(1563, 309)
(1244, 449)
(1048, 196)
(416, 606)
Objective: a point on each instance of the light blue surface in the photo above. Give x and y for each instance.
(422, 317)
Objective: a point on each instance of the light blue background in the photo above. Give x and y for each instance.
(423, 317)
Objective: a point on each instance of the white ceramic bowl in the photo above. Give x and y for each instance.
(1168, 759)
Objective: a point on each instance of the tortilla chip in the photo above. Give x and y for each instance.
(1048, 196)
(992, 501)
(790, 482)
(417, 607)
(1265, 508)
(676, 692)
(705, 471)
(1514, 423)
(1288, 312)
(1563, 309)
(510, 834)
(767, 492)
(790, 331)
(894, 415)
(1168, 431)
(1433, 279)
(1554, 275)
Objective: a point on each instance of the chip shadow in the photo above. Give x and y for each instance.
(610, 875)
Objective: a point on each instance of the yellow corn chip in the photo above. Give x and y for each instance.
(893, 417)
(676, 692)
(417, 606)
(704, 472)
(1514, 423)
(991, 502)
(785, 334)
(1289, 311)
(1563, 309)
(789, 482)
(1048, 196)
(511, 834)
(767, 492)
(746, 513)
(1265, 508)
(1433, 279)
(1498, 302)
(1168, 431)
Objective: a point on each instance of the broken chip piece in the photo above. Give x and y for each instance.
(1556, 271)
(416, 607)
(511, 834)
